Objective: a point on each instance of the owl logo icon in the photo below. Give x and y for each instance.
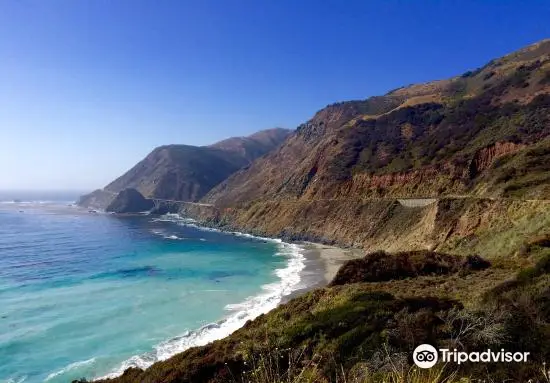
(425, 356)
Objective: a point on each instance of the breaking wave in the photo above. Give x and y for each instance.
(240, 313)
(70, 367)
(166, 236)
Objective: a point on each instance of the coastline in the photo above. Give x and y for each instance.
(314, 265)
(304, 271)
(332, 257)
(322, 262)
(310, 265)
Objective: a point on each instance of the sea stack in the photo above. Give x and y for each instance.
(130, 201)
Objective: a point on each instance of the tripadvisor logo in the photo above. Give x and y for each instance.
(426, 356)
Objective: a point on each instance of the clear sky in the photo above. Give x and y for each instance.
(89, 87)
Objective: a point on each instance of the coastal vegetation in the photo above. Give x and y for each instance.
(379, 266)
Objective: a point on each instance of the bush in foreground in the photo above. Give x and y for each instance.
(381, 266)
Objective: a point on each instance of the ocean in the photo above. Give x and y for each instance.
(89, 295)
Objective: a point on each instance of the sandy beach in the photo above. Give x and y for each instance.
(321, 265)
(331, 257)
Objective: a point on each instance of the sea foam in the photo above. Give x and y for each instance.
(240, 313)
(70, 367)
(166, 236)
(16, 380)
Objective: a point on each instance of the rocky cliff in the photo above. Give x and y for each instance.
(98, 199)
(129, 201)
(478, 139)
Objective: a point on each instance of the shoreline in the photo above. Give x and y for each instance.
(333, 257)
(322, 262)
(320, 265)
(308, 266)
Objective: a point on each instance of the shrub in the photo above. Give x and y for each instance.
(381, 266)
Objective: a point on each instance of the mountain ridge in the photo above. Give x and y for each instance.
(185, 172)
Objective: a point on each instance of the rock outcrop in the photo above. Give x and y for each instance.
(98, 199)
(485, 157)
(129, 201)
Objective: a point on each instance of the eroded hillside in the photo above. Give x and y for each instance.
(440, 138)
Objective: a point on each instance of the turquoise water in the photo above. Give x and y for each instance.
(88, 295)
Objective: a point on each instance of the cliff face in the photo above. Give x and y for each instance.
(491, 228)
(98, 199)
(485, 157)
(447, 134)
(187, 173)
(129, 201)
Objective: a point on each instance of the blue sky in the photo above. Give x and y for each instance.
(89, 87)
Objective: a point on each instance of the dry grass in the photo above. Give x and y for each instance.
(269, 368)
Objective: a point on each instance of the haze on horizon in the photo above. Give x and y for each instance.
(88, 88)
